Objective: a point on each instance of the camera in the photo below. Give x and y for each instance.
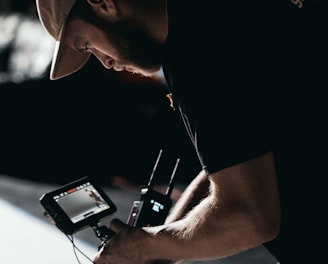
(77, 205)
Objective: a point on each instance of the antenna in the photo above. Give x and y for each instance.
(170, 187)
(150, 183)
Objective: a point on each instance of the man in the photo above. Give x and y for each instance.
(239, 73)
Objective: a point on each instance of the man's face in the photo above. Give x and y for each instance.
(118, 47)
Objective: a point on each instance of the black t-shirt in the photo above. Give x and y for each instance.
(249, 77)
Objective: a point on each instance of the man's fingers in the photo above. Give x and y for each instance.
(117, 225)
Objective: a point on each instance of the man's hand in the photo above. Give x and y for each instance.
(118, 249)
(124, 247)
(128, 245)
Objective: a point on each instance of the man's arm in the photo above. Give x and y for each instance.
(196, 191)
(241, 212)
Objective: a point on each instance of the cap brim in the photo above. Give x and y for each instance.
(66, 61)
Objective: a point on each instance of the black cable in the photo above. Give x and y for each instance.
(75, 249)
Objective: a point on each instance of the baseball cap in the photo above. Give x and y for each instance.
(53, 16)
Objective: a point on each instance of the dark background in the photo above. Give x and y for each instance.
(89, 126)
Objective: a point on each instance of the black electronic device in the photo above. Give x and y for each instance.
(82, 203)
(77, 205)
(153, 206)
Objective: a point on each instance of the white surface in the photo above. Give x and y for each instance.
(26, 239)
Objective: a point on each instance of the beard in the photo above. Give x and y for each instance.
(134, 47)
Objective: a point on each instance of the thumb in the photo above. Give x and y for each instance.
(117, 225)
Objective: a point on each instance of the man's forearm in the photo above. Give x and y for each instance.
(193, 194)
(241, 211)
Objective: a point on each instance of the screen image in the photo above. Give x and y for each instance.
(81, 202)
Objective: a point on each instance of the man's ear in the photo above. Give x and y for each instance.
(106, 9)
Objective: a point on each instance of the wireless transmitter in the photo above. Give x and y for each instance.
(153, 207)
